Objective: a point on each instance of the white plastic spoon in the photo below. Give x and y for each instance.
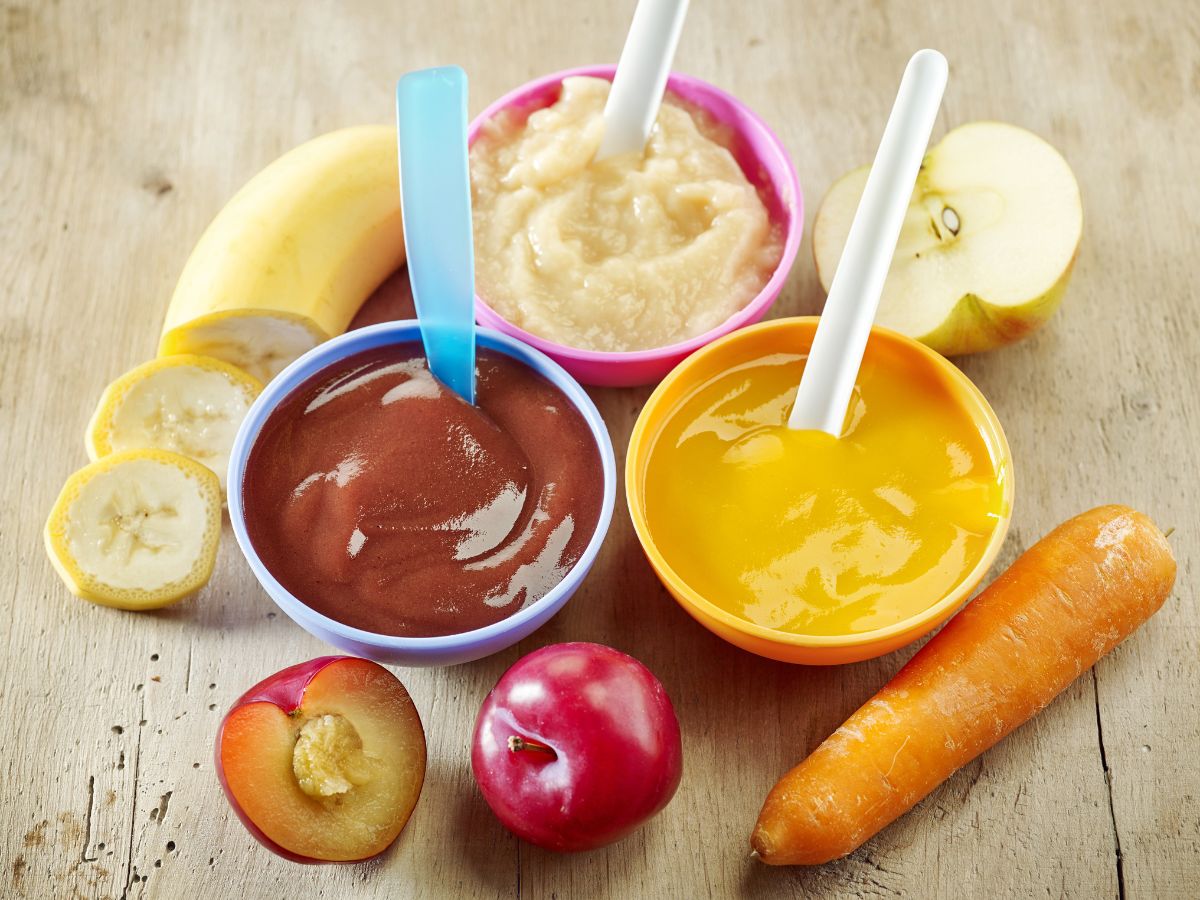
(837, 351)
(641, 76)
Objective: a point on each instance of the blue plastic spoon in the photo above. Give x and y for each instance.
(435, 199)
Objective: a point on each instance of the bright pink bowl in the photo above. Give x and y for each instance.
(767, 166)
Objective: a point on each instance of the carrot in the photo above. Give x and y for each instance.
(1065, 603)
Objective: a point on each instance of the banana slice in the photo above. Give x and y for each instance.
(289, 260)
(260, 344)
(187, 404)
(137, 529)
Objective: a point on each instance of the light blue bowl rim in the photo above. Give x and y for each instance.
(400, 332)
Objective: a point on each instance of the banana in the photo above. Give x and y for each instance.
(291, 258)
(187, 404)
(137, 529)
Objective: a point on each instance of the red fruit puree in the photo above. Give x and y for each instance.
(380, 498)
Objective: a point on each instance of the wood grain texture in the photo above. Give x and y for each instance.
(123, 128)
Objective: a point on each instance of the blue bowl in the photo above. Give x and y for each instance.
(447, 649)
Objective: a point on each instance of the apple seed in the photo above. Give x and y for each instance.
(950, 220)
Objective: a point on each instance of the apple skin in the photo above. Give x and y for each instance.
(617, 752)
(975, 325)
(284, 689)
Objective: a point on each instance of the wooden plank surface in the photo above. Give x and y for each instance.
(123, 128)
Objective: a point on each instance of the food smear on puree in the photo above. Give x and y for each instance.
(633, 252)
(380, 498)
(805, 533)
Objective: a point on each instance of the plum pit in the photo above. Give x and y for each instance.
(328, 759)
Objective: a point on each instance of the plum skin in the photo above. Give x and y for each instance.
(610, 754)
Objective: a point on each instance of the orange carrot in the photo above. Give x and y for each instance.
(1066, 602)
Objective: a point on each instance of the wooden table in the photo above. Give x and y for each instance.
(125, 126)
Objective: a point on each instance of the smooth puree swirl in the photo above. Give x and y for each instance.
(805, 533)
(381, 499)
(630, 253)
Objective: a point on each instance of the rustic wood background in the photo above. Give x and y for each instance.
(124, 126)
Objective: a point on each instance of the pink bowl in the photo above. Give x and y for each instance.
(767, 166)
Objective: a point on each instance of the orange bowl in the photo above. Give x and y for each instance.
(795, 335)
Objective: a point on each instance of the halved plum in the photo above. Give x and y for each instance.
(324, 761)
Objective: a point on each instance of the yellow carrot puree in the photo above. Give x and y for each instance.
(805, 533)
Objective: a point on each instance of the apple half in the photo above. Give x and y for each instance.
(323, 761)
(987, 245)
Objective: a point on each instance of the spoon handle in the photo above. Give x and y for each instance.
(435, 199)
(641, 76)
(845, 325)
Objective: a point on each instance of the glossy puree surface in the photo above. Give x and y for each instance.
(808, 534)
(628, 253)
(380, 498)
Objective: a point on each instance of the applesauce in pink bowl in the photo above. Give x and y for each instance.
(764, 163)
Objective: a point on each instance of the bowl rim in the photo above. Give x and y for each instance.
(966, 393)
(754, 308)
(404, 331)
